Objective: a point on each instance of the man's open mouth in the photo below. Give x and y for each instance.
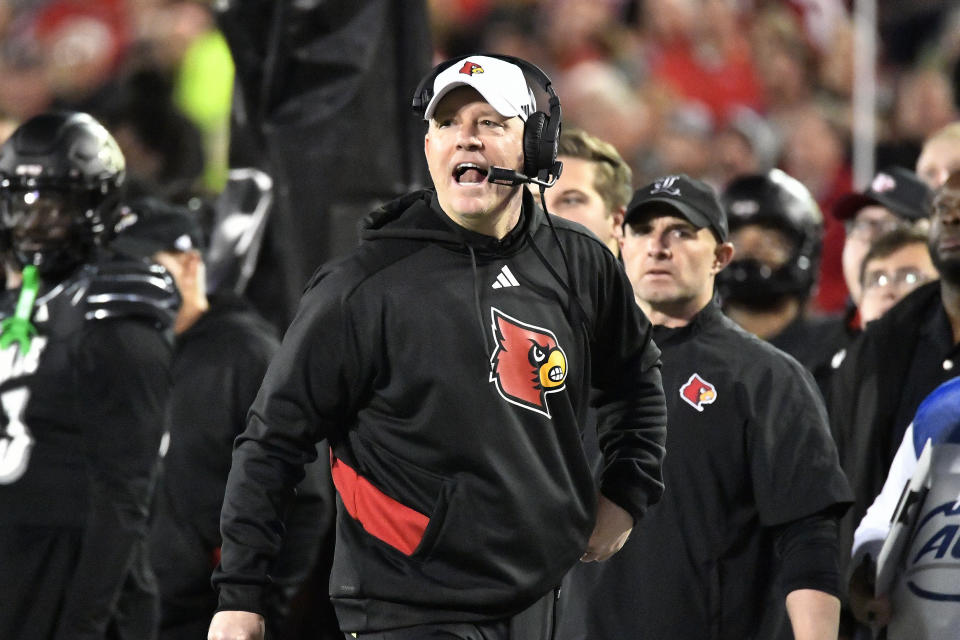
(467, 173)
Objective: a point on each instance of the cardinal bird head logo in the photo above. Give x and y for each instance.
(470, 68)
(527, 363)
(698, 392)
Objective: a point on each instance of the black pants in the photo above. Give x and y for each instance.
(38, 573)
(534, 623)
(36, 569)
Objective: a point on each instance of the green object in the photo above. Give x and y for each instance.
(204, 92)
(18, 328)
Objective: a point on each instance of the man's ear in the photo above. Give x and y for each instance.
(618, 223)
(722, 256)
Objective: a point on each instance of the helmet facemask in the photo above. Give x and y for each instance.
(52, 229)
(764, 285)
(777, 202)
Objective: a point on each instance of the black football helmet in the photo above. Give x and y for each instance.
(60, 180)
(779, 201)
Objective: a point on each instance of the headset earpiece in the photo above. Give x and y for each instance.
(533, 146)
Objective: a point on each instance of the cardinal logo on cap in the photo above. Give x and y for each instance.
(470, 68)
(698, 392)
(883, 182)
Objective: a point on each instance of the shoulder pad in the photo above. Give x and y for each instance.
(131, 288)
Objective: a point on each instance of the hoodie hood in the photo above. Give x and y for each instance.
(418, 216)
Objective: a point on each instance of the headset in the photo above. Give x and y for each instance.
(541, 132)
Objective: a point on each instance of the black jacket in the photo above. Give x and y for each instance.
(812, 340)
(748, 451)
(217, 368)
(866, 396)
(90, 394)
(451, 373)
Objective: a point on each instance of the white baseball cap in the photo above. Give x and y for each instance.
(500, 83)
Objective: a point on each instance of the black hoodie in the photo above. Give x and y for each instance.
(451, 372)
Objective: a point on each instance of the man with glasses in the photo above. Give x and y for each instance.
(896, 198)
(897, 263)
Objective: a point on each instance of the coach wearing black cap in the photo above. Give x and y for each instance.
(748, 520)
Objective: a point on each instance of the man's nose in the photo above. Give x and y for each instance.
(657, 245)
(467, 137)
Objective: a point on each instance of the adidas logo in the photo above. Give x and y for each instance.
(505, 279)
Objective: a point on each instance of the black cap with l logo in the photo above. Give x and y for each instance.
(693, 199)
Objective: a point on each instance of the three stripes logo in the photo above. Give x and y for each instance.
(505, 279)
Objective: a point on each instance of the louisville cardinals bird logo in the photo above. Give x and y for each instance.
(470, 68)
(527, 363)
(698, 392)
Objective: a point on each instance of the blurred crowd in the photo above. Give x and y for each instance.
(157, 73)
(718, 88)
(710, 88)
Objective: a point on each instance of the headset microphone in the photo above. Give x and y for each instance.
(511, 178)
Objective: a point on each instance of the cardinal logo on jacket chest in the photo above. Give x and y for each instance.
(698, 392)
(527, 363)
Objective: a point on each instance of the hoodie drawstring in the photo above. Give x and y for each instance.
(571, 286)
(476, 300)
(572, 298)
